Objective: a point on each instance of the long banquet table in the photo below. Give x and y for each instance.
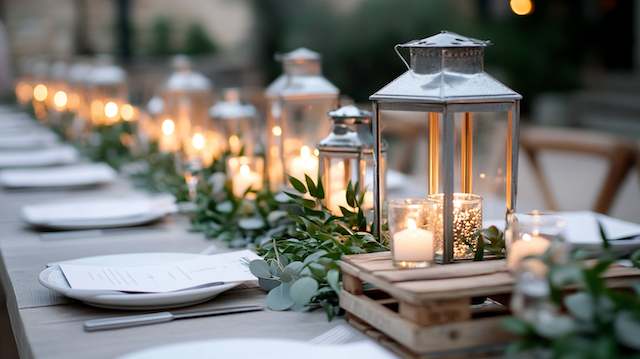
(45, 325)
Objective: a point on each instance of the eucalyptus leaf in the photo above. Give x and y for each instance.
(333, 278)
(627, 329)
(552, 326)
(580, 305)
(275, 216)
(297, 184)
(260, 268)
(302, 290)
(268, 284)
(225, 207)
(279, 298)
(315, 256)
(251, 224)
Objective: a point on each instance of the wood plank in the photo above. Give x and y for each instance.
(465, 269)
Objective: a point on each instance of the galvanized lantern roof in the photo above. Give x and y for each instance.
(185, 79)
(302, 76)
(231, 107)
(105, 72)
(445, 68)
(351, 131)
(155, 106)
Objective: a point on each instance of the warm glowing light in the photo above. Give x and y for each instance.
(111, 109)
(277, 131)
(234, 144)
(60, 100)
(168, 127)
(411, 223)
(127, 112)
(245, 170)
(24, 92)
(316, 152)
(305, 151)
(40, 92)
(521, 7)
(198, 141)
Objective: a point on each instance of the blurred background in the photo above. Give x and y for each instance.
(576, 62)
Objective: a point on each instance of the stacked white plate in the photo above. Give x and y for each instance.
(58, 155)
(34, 138)
(58, 177)
(53, 278)
(264, 349)
(99, 212)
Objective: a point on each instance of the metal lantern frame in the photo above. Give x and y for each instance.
(350, 143)
(445, 77)
(301, 85)
(234, 118)
(107, 83)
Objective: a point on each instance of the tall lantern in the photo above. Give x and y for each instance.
(298, 101)
(187, 96)
(346, 155)
(446, 81)
(107, 91)
(58, 98)
(237, 121)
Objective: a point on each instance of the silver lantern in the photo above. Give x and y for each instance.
(107, 91)
(346, 155)
(446, 82)
(298, 101)
(237, 122)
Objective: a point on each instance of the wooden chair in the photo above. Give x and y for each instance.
(620, 153)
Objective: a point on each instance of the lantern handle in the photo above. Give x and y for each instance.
(396, 48)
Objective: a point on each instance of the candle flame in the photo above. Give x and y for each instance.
(168, 126)
(198, 141)
(111, 109)
(60, 100)
(40, 92)
(126, 112)
(276, 130)
(526, 237)
(411, 223)
(305, 151)
(245, 170)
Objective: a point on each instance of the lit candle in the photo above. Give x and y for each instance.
(412, 244)
(528, 245)
(245, 179)
(60, 100)
(111, 112)
(168, 141)
(305, 164)
(336, 200)
(234, 144)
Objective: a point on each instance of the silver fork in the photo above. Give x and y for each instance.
(339, 334)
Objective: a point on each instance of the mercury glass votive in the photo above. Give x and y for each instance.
(530, 235)
(245, 173)
(411, 242)
(467, 220)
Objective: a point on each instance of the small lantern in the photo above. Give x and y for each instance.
(237, 121)
(298, 101)
(77, 80)
(25, 83)
(187, 96)
(58, 94)
(40, 73)
(107, 91)
(346, 155)
(446, 81)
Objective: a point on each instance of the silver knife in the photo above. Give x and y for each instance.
(162, 317)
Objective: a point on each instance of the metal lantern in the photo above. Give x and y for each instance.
(58, 94)
(77, 80)
(346, 155)
(298, 101)
(237, 121)
(107, 91)
(446, 81)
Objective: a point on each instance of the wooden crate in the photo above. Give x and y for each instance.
(428, 312)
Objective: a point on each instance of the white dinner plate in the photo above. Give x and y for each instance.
(263, 349)
(53, 278)
(54, 177)
(93, 213)
(32, 139)
(58, 155)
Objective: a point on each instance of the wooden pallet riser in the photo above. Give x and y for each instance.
(425, 339)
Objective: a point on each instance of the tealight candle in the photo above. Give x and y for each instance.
(412, 246)
(527, 245)
(530, 235)
(244, 172)
(168, 141)
(305, 164)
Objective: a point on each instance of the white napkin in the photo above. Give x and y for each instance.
(65, 176)
(30, 139)
(33, 158)
(98, 209)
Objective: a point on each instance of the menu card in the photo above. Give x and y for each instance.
(200, 271)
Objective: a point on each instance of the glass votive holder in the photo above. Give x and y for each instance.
(411, 242)
(467, 220)
(245, 173)
(530, 235)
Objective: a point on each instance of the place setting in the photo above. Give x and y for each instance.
(200, 195)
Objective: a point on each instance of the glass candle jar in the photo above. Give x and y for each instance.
(245, 173)
(467, 220)
(532, 234)
(412, 244)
